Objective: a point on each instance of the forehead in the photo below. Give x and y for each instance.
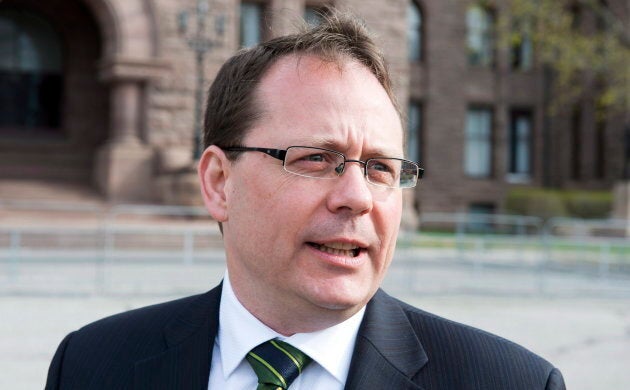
(305, 100)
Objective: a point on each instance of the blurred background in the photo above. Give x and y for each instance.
(519, 111)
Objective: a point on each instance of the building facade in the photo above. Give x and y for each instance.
(103, 93)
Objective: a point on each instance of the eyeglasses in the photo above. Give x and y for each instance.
(322, 163)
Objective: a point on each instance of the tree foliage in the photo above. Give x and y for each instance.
(585, 42)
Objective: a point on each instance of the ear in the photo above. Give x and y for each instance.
(213, 172)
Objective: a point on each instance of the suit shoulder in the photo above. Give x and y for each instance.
(453, 340)
(143, 317)
(113, 344)
(480, 357)
(142, 327)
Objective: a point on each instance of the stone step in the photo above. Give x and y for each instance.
(59, 209)
(74, 192)
(66, 166)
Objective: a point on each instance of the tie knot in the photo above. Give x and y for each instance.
(277, 364)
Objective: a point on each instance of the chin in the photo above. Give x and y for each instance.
(342, 302)
(339, 293)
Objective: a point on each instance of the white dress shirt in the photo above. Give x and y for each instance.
(239, 331)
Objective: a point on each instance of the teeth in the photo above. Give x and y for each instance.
(340, 245)
(340, 249)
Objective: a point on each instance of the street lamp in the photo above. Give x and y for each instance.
(200, 43)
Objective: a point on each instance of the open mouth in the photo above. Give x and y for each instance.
(338, 249)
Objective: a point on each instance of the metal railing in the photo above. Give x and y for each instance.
(148, 249)
(600, 247)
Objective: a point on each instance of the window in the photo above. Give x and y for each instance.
(478, 147)
(480, 23)
(414, 32)
(252, 24)
(313, 14)
(31, 78)
(576, 143)
(520, 143)
(523, 47)
(414, 132)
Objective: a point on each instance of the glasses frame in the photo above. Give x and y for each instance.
(281, 154)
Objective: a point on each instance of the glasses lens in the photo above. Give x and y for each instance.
(312, 162)
(409, 174)
(392, 172)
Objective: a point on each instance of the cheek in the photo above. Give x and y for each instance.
(253, 192)
(388, 212)
(271, 205)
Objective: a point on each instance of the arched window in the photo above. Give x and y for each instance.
(414, 32)
(481, 28)
(523, 45)
(30, 73)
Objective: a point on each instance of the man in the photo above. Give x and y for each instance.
(303, 170)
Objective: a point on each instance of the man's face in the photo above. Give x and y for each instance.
(292, 241)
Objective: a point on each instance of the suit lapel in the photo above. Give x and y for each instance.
(189, 338)
(387, 353)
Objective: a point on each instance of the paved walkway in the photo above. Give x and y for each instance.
(581, 323)
(587, 338)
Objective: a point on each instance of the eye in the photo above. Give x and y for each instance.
(380, 166)
(383, 171)
(315, 157)
(311, 162)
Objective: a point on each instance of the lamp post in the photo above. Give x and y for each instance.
(201, 43)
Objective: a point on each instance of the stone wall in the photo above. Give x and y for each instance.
(124, 53)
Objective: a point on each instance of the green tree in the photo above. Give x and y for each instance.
(584, 43)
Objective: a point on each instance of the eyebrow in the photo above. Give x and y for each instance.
(329, 143)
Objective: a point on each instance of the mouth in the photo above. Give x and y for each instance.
(338, 248)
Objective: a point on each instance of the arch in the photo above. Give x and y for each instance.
(31, 72)
(107, 24)
(58, 92)
(128, 28)
(129, 64)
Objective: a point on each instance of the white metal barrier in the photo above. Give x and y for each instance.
(137, 248)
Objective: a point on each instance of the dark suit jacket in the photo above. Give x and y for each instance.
(169, 346)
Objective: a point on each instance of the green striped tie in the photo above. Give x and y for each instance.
(276, 364)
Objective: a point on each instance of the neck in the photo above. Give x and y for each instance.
(286, 317)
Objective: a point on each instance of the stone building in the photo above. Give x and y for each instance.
(101, 93)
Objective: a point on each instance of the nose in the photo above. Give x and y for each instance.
(351, 192)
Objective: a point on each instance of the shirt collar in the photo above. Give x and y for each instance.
(331, 348)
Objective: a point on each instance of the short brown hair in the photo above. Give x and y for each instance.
(232, 110)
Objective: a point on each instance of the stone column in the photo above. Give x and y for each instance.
(124, 165)
(125, 102)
